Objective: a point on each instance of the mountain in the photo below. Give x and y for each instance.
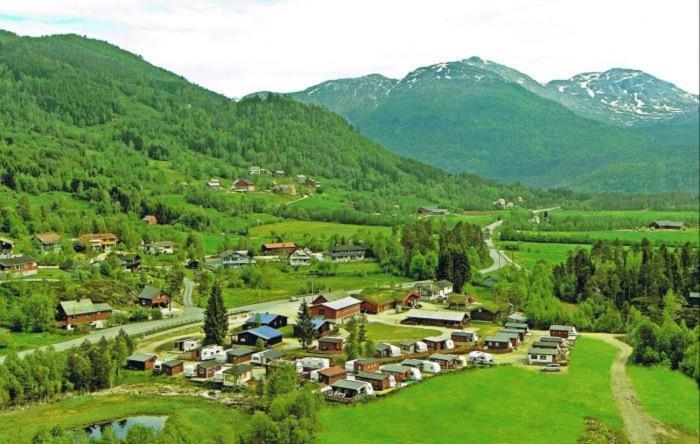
(111, 136)
(482, 117)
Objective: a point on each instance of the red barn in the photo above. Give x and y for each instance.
(82, 312)
(337, 310)
(279, 248)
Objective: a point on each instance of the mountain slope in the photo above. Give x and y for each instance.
(479, 116)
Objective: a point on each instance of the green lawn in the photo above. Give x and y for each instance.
(350, 276)
(24, 341)
(529, 253)
(643, 216)
(206, 421)
(503, 404)
(297, 231)
(379, 332)
(625, 236)
(669, 396)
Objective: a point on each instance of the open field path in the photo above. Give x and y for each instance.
(639, 426)
(500, 259)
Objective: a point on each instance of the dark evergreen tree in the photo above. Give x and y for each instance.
(215, 318)
(304, 326)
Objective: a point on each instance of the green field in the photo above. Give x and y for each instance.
(206, 421)
(377, 331)
(528, 254)
(643, 216)
(298, 231)
(23, 341)
(349, 276)
(669, 396)
(503, 404)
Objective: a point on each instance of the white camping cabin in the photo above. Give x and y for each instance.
(350, 366)
(219, 374)
(210, 351)
(190, 370)
(420, 347)
(449, 344)
(221, 357)
(394, 350)
(415, 374)
(431, 367)
(315, 363)
(392, 381)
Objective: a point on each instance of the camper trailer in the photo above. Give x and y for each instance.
(210, 351)
(431, 367)
(190, 371)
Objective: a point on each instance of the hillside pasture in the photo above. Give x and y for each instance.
(528, 254)
(502, 404)
(627, 237)
(298, 231)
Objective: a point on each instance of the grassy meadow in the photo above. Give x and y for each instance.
(528, 254)
(677, 404)
(377, 331)
(298, 231)
(495, 405)
(23, 341)
(206, 420)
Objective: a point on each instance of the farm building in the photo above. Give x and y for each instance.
(433, 211)
(346, 253)
(434, 291)
(266, 357)
(186, 344)
(518, 326)
(366, 365)
(129, 261)
(141, 361)
(206, 369)
(268, 335)
(173, 367)
(441, 318)
(445, 361)
(498, 342)
(152, 296)
(82, 312)
(98, 241)
(562, 331)
(379, 381)
(337, 310)
(347, 389)
(159, 247)
(238, 355)
(269, 319)
(213, 184)
(399, 372)
(438, 343)
(480, 312)
(238, 374)
(330, 344)
(514, 337)
(18, 266)
(413, 346)
(384, 350)
(666, 225)
(378, 299)
(546, 344)
(516, 318)
(47, 242)
(275, 248)
(331, 374)
(464, 336)
(242, 186)
(149, 219)
(541, 356)
(301, 257)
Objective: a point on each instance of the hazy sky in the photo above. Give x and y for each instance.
(240, 46)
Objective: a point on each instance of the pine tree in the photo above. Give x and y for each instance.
(305, 326)
(215, 318)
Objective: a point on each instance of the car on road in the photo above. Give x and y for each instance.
(551, 368)
(293, 299)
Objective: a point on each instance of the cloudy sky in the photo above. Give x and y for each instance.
(239, 46)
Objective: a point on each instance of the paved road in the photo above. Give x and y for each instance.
(499, 258)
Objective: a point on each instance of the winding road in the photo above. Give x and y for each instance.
(500, 259)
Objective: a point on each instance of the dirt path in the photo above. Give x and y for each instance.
(639, 426)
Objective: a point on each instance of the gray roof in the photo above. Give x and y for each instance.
(17, 260)
(349, 384)
(366, 361)
(694, 294)
(272, 354)
(434, 339)
(437, 315)
(372, 376)
(208, 364)
(173, 363)
(466, 334)
(442, 357)
(82, 306)
(556, 339)
(519, 325)
(545, 344)
(542, 351)
(330, 339)
(497, 338)
(395, 368)
(383, 346)
(238, 369)
(517, 317)
(511, 333)
(240, 351)
(149, 292)
(668, 223)
(342, 303)
(141, 357)
(560, 327)
(412, 362)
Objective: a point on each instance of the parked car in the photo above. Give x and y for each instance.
(293, 299)
(551, 368)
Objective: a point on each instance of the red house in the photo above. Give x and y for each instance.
(243, 186)
(379, 381)
(331, 345)
(206, 369)
(337, 310)
(82, 312)
(366, 365)
(331, 374)
(18, 266)
(152, 296)
(562, 331)
(279, 248)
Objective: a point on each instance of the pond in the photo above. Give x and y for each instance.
(122, 426)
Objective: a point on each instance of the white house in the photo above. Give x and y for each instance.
(300, 257)
(542, 356)
(209, 352)
(186, 344)
(214, 184)
(237, 375)
(160, 247)
(231, 259)
(266, 357)
(254, 170)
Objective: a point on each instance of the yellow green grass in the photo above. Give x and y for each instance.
(377, 331)
(205, 421)
(528, 254)
(296, 230)
(626, 236)
(669, 396)
(23, 341)
(503, 404)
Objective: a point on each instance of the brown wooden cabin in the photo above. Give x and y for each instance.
(379, 381)
(366, 365)
(173, 367)
(206, 369)
(238, 355)
(331, 374)
(141, 361)
(330, 344)
(399, 372)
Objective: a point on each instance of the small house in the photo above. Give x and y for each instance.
(498, 342)
(399, 372)
(514, 337)
(266, 357)
(433, 211)
(269, 319)
(441, 318)
(276, 248)
(436, 343)
(237, 375)
(206, 369)
(562, 331)
(561, 342)
(518, 326)
(242, 186)
(666, 225)
(384, 350)
(152, 296)
(18, 266)
(159, 247)
(254, 170)
(150, 219)
(268, 335)
(300, 178)
(329, 375)
(284, 188)
(346, 253)
(378, 299)
(82, 312)
(98, 241)
(186, 344)
(411, 346)
(379, 381)
(141, 361)
(337, 310)
(366, 365)
(350, 389)
(542, 356)
(172, 368)
(464, 336)
(330, 344)
(517, 318)
(213, 184)
(47, 242)
(232, 259)
(129, 261)
(546, 344)
(445, 361)
(301, 257)
(480, 312)
(238, 355)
